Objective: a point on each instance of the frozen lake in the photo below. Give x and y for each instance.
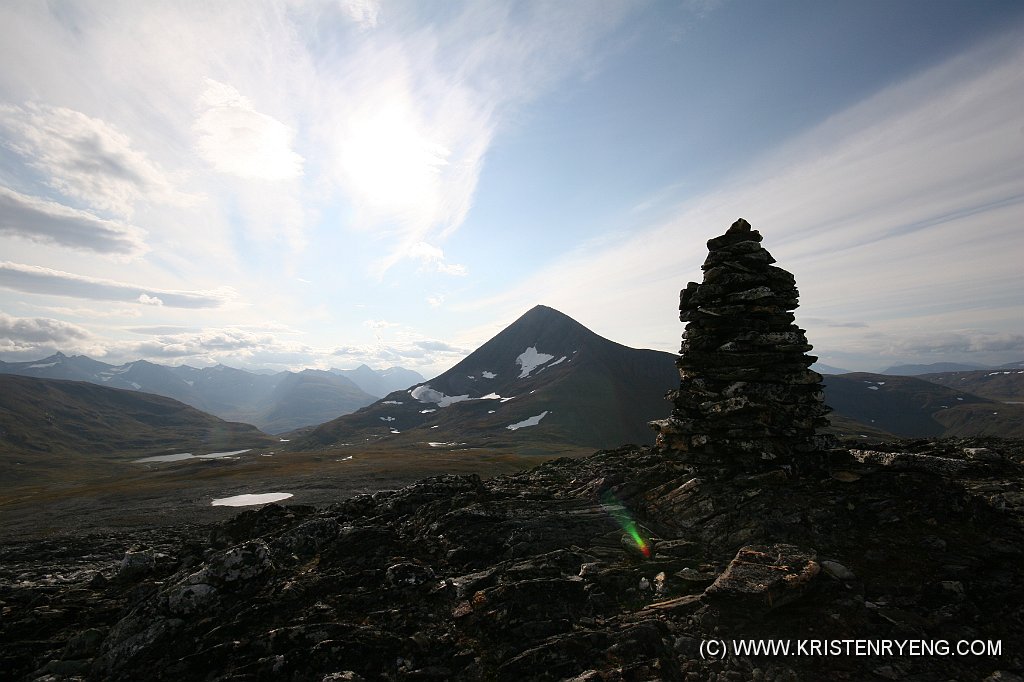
(249, 499)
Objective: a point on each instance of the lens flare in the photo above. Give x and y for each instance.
(621, 515)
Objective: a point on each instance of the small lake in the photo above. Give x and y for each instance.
(250, 499)
(188, 455)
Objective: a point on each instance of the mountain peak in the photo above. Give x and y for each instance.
(546, 312)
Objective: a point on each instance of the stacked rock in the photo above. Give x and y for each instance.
(746, 397)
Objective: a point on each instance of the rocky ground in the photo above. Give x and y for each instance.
(620, 566)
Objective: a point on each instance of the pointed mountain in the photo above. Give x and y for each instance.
(542, 384)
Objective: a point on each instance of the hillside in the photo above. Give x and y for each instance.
(911, 407)
(275, 402)
(544, 382)
(1005, 385)
(49, 426)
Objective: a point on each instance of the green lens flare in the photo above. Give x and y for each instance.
(623, 518)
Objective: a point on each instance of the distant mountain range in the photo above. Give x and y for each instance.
(1006, 385)
(547, 381)
(913, 407)
(945, 367)
(544, 382)
(275, 403)
(52, 427)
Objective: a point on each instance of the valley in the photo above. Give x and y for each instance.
(78, 456)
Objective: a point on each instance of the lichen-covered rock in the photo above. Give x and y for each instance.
(764, 577)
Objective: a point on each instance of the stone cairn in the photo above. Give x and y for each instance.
(746, 397)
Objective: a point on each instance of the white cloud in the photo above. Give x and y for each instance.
(39, 330)
(377, 325)
(236, 139)
(209, 344)
(85, 158)
(363, 12)
(431, 259)
(417, 109)
(38, 280)
(49, 222)
(413, 353)
(958, 342)
(31, 338)
(145, 299)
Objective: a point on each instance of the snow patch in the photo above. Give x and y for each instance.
(490, 396)
(40, 366)
(872, 388)
(387, 419)
(136, 386)
(392, 402)
(532, 421)
(530, 360)
(488, 375)
(425, 394)
(177, 457)
(427, 411)
(249, 499)
(218, 455)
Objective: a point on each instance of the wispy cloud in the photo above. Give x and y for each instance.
(363, 12)
(212, 344)
(959, 342)
(906, 205)
(408, 353)
(49, 222)
(419, 108)
(236, 139)
(85, 158)
(38, 280)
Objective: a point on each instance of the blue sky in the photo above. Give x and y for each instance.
(317, 184)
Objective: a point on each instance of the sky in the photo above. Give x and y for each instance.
(284, 185)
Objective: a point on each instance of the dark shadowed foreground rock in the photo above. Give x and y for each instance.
(616, 567)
